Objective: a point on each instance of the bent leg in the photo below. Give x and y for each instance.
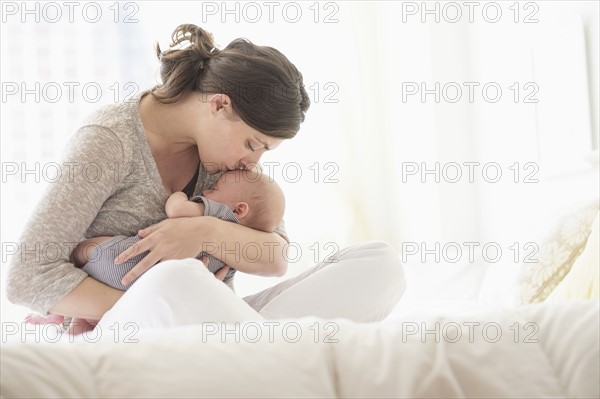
(362, 283)
(178, 292)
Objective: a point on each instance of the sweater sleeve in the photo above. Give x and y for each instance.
(280, 229)
(216, 209)
(40, 273)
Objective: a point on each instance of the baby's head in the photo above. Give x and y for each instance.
(255, 198)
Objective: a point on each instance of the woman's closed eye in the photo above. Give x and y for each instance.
(249, 146)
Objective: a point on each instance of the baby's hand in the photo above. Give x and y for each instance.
(221, 273)
(174, 204)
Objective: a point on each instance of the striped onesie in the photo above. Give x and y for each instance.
(101, 265)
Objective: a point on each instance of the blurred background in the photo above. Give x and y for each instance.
(430, 122)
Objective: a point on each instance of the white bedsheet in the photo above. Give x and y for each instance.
(390, 359)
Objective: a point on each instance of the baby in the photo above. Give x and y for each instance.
(246, 197)
(241, 196)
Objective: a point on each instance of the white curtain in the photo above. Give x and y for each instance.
(360, 135)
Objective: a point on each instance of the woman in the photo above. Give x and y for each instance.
(216, 110)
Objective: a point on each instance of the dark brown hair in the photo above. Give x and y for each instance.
(266, 89)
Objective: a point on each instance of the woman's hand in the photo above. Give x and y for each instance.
(169, 239)
(181, 238)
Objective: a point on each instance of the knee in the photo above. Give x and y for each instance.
(383, 250)
(381, 260)
(377, 253)
(387, 259)
(386, 265)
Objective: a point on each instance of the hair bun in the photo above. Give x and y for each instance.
(199, 40)
(186, 59)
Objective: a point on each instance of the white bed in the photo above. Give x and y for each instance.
(453, 334)
(544, 350)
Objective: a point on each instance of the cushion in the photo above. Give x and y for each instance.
(249, 359)
(582, 282)
(557, 254)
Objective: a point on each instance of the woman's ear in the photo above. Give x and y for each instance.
(219, 101)
(241, 210)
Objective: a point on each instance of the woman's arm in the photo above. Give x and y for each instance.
(89, 300)
(41, 275)
(245, 249)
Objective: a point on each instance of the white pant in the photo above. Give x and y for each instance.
(362, 283)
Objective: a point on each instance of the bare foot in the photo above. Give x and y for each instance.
(79, 326)
(35, 318)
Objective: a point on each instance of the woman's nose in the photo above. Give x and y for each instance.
(250, 161)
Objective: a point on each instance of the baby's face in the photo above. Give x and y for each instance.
(257, 202)
(228, 189)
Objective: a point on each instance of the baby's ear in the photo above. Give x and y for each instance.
(241, 210)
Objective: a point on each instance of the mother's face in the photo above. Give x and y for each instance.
(227, 142)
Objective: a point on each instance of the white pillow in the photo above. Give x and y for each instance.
(582, 282)
(558, 252)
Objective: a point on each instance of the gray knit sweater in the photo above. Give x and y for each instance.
(109, 186)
